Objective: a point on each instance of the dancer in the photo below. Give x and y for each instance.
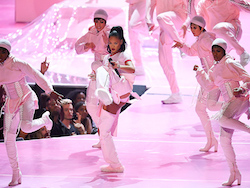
(171, 14)
(226, 74)
(137, 28)
(96, 40)
(21, 103)
(202, 49)
(222, 17)
(113, 92)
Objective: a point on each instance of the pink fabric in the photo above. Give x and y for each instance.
(226, 75)
(97, 38)
(13, 70)
(216, 11)
(202, 49)
(137, 28)
(222, 17)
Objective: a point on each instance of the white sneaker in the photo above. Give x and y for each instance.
(48, 122)
(175, 98)
(108, 168)
(244, 58)
(104, 96)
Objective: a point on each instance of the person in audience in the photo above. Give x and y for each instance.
(76, 96)
(21, 103)
(227, 75)
(89, 126)
(62, 116)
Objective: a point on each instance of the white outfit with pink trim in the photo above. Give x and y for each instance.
(137, 27)
(20, 105)
(202, 49)
(171, 14)
(226, 75)
(107, 124)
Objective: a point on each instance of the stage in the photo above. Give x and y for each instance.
(157, 144)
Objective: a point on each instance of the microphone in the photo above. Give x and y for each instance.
(117, 72)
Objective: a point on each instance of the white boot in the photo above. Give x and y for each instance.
(29, 126)
(244, 58)
(10, 142)
(107, 144)
(211, 141)
(102, 86)
(226, 144)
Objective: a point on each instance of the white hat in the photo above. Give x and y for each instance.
(100, 13)
(198, 20)
(5, 44)
(220, 42)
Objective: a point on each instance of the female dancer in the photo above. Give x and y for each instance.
(117, 88)
(226, 75)
(202, 49)
(96, 40)
(21, 103)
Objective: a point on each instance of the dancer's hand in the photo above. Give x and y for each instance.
(90, 45)
(195, 67)
(56, 96)
(44, 66)
(177, 45)
(105, 39)
(92, 76)
(238, 91)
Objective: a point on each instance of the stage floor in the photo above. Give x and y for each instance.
(158, 144)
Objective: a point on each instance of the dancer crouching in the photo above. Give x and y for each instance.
(21, 103)
(113, 90)
(226, 73)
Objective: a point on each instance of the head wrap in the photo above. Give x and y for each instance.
(198, 20)
(100, 13)
(5, 44)
(220, 42)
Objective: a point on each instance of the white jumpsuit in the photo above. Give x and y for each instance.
(20, 105)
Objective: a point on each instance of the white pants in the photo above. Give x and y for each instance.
(107, 144)
(169, 22)
(230, 34)
(137, 26)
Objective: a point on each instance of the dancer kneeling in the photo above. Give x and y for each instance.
(21, 103)
(114, 82)
(226, 73)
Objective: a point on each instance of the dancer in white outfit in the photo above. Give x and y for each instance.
(226, 73)
(113, 93)
(171, 14)
(206, 100)
(137, 28)
(21, 103)
(96, 40)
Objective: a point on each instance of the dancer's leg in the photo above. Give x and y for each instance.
(201, 110)
(226, 144)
